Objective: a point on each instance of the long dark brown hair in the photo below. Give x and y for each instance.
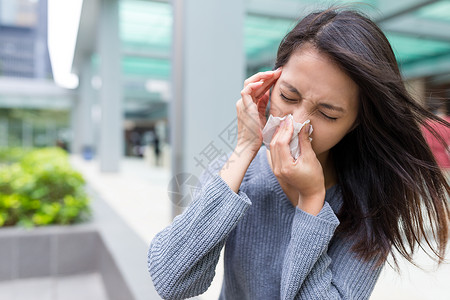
(391, 185)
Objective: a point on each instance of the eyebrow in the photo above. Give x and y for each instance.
(291, 88)
(322, 104)
(332, 107)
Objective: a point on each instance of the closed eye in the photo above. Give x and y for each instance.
(328, 117)
(325, 116)
(287, 99)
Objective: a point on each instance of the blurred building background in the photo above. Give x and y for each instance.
(34, 111)
(158, 80)
(23, 39)
(142, 63)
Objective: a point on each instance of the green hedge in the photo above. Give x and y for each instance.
(41, 188)
(13, 154)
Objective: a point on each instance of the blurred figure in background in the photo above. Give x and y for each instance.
(157, 149)
(62, 144)
(152, 147)
(440, 149)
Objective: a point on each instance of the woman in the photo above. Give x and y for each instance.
(321, 226)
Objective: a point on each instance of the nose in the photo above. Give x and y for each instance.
(300, 114)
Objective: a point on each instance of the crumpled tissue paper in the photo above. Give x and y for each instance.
(274, 122)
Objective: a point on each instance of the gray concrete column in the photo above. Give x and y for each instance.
(111, 131)
(83, 127)
(41, 55)
(208, 64)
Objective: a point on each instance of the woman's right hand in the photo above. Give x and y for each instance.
(251, 110)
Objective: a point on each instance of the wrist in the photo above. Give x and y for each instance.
(245, 151)
(312, 204)
(234, 170)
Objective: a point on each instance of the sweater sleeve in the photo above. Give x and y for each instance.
(313, 270)
(182, 258)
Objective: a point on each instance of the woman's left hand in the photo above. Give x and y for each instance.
(304, 174)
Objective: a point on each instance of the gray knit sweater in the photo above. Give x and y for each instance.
(273, 250)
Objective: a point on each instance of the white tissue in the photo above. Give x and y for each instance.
(273, 123)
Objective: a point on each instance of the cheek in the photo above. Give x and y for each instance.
(325, 136)
(278, 108)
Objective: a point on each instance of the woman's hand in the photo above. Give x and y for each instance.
(304, 174)
(251, 110)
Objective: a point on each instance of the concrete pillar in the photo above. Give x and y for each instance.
(41, 56)
(83, 125)
(208, 65)
(111, 131)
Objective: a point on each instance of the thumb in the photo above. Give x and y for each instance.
(303, 139)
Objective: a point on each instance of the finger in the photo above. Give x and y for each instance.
(274, 140)
(303, 140)
(268, 83)
(274, 137)
(279, 148)
(281, 139)
(273, 152)
(247, 93)
(285, 136)
(262, 103)
(261, 76)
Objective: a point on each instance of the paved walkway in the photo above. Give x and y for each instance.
(138, 193)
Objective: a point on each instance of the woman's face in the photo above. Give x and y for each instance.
(313, 87)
